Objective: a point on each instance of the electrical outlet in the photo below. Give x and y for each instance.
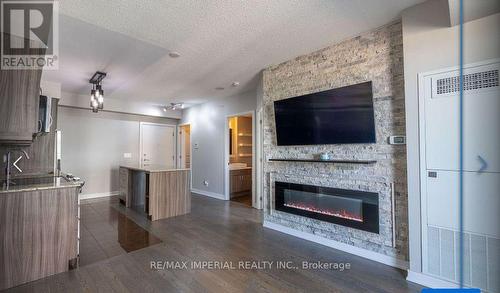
(205, 182)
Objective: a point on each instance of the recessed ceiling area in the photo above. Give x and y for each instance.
(215, 43)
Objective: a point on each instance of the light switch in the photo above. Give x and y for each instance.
(127, 155)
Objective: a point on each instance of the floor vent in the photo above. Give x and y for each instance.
(472, 81)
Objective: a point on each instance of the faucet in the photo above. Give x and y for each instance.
(7, 160)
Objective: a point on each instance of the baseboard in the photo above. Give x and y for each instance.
(429, 281)
(208, 193)
(375, 256)
(97, 195)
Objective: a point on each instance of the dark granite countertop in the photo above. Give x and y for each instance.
(40, 182)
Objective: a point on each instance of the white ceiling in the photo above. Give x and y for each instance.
(220, 41)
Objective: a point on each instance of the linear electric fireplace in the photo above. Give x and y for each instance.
(351, 208)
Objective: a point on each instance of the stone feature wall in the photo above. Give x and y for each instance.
(376, 56)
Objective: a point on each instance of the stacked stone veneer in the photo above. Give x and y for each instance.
(375, 56)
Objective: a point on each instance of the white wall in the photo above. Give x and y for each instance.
(473, 9)
(51, 89)
(93, 145)
(207, 131)
(429, 44)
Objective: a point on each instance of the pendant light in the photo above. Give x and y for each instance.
(97, 93)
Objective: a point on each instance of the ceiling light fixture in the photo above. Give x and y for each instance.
(174, 54)
(96, 93)
(173, 106)
(235, 83)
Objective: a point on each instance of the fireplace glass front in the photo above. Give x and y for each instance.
(351, 208)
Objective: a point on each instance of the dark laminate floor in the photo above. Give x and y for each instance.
(244, 199)
(222, 231)
(105, 232)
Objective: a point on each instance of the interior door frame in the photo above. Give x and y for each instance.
(179, 151)
(174, 126)
(179, 143)
(226, 154)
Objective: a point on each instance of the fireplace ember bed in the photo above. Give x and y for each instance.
(350, 208)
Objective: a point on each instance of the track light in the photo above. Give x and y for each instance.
(174, 106)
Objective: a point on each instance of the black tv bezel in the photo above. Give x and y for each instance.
(337, 143)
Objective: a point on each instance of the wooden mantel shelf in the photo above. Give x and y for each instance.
(362, 162)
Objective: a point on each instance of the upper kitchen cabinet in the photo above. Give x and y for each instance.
(19, 91)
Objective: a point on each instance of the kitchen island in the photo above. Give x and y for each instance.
(157, 191)
(38, 228)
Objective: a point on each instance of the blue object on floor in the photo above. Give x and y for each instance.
(458, 290)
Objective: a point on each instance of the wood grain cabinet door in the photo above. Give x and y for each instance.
(19, 92)
(39, 230)
(247, 182)
(241, 180)
(235, 183)
(18, 105)
(124, 185)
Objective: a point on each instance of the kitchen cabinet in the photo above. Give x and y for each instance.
(157, 191)
(19, 91)
(39, 229)
(41, 150)
(241, 182)
(125, 185)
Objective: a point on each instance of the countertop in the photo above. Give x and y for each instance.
(35, 183)
(239, 168)
(152, 168)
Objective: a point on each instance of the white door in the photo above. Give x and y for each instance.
(481, 176)
(157, 145)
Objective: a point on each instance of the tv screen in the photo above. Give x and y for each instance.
(338, 116)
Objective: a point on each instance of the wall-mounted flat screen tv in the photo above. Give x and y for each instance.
(337, 116)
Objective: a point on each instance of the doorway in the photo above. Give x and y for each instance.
(185, 146)
(157, 145)
(240, 156)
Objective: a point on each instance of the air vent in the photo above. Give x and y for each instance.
(472, 81)
(481, 256)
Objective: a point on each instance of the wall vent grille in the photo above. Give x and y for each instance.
(481, 258)
(472, 81)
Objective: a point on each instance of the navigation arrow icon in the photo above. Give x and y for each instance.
(14, 164)
(484, 164)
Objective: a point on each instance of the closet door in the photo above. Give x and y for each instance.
(440, 129)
